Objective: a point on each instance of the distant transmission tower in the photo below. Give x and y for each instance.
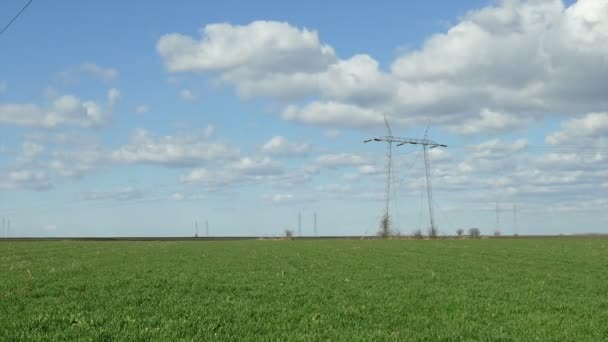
(385, 223)
(196, 228)
(514, 219)
(497, 217)
(315, 224)
(426, 146)
(299, 223)
(207, 228)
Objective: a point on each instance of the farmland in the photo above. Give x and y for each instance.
(482, 289)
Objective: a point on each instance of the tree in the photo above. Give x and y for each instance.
(288, 234)
(474, 232)
(459, 232)
(417, 234)
(385, 227)
(433, 233)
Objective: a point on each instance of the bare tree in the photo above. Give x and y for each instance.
(474, 232)
(497, 233)
(459, 232)
(289, 234)
(433, 232)
(385, 227)
(417, 234)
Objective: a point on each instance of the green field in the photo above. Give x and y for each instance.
(372, 290)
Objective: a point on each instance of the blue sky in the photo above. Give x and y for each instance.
(139, 118)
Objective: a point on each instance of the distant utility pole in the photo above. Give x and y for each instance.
(426, 146)
(315, 224)
(497, 217)
(299, 223)
(515, 218)
(4, 228)
(196, 233)
(207, 228)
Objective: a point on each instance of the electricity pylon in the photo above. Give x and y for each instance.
(426, 146)
(385, 224)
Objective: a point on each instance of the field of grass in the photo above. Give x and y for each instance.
(490, 289)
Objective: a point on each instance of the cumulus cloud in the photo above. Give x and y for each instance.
(174, 151)
(497, 69)
(589, 129)
(31, 179)
(113, 97)
(103, 73)
(281, 146)
(78, 162)
(334, 114)
(338, 160)
(259, 47)
(517, 57)
(187, 95)
(142, 109)
(121, 194)
(31, 150)
(281, 198)
(333, 188)
(64, 110)
(488, 122)
(249, 171)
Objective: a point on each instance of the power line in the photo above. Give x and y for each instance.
(426, 146)
(15, 17)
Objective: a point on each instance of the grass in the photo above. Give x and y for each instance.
(453, 290)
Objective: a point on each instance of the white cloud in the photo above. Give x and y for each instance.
(180, 196)
(113, 97)
(497, 69)
(282, 198)
(72, 74)
(249, 171)
(488, 122)
(175, 151)
(589, 129)
(209, 131)
(518, 57)
(259, 47)
(334, 114)
(368, 169)
(31, 150)
(64, 110)
(333, 188)
(332, 133)
(339, 160)
(121, 194)
(105, 74)
(280, 146)
(25, 179)
(142, 109)
(187, 95)
(76, 163)
(177, 196)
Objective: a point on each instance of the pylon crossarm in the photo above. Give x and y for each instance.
(403, 141)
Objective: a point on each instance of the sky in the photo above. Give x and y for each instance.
(143, 118)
